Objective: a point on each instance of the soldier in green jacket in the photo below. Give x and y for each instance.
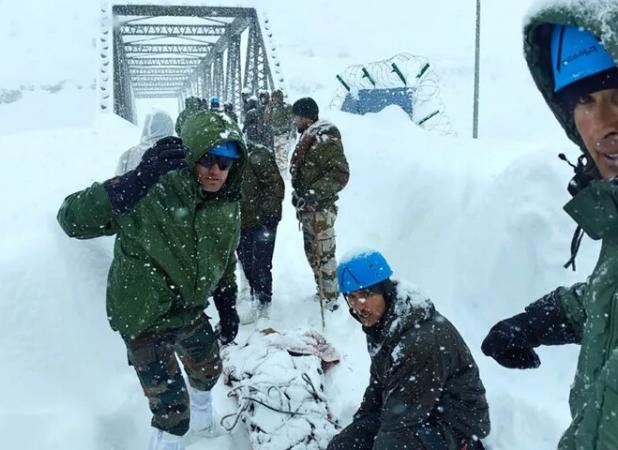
(192, 106)
(278, 115)
(176, 218)
(319, 170)
(262, 198)
(424, 390)
(571, 49)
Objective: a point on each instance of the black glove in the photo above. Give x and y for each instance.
(126, 190)
(225, 301)
(510, 342)
(167, 154)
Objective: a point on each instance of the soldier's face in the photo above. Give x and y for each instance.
(368, 306)
(596, 119)
(210, 178)
(302, 123)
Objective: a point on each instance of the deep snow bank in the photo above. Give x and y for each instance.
(479, 230)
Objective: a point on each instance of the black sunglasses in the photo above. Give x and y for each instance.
(209, 160)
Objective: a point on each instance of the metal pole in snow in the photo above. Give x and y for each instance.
(477, 54)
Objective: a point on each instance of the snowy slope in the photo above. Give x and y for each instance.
(477, 224)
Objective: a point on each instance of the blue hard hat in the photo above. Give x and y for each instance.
(214, 101)
(576, 54)
(362, 270)
(228, 149)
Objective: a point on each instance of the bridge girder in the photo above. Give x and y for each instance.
(176, 60)
(136, 72)
(164, 62)
(171, 30)
(166, 48)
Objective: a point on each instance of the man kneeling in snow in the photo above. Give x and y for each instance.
(424, 389)
(176, 218)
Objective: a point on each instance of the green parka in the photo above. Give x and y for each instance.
(319, 165)
(591, 308)
(421, 371)
(262, 189)
(175, 247)
(192, 106)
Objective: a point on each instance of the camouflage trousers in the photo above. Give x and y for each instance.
(154, 358)
(282, 149)
(319, 237)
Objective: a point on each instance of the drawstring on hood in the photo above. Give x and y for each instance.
(579, 181)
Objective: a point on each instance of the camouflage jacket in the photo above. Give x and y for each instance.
(175, 247)
(279, 117)
(318, 164)
(262, 189)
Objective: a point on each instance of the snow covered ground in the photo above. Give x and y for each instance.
(477, 224)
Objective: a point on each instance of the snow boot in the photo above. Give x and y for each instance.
(161, 440)
(331, 304)
(203, 420)
(263, 315)
(247, 311)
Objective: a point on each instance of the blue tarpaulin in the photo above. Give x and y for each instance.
(375, 100)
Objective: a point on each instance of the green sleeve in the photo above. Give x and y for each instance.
(270, 185)
(335, 170)
(87, 214)
(572, 306)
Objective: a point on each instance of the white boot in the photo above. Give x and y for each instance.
(247, 311)
(202, 414)
(160, 440)
(263, 315)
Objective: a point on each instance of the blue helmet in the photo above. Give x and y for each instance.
(576, 54)
(362, 271)
(227, 149)
(214, 102)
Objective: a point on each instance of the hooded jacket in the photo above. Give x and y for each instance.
(175, 247)
(158, 125)
(590, 308)
(421, 371)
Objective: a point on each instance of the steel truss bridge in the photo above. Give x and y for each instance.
(161, 51)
